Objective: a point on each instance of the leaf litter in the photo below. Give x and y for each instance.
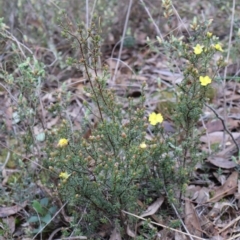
(203, 213)
(212, 207)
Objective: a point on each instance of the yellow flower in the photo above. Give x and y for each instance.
(209, 34)
(64, 175)
(143, 145)
(198, 49)
(155, 118)
(218, 47)
(63, 142)
(205, 80)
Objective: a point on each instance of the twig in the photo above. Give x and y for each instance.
(6, 161)
(10, 94)
(180, 19)
(184, 226)
(123, 37)
(125, 64)
(25, 157)
(234, 237)
(161, 225)
(71, 235)
(215, 198)
(224, 125)
(152, 20)
(225, 70)
(208, 141)
(54, 232)
(174, 208)
(222, 213)
(87, 28)
(40, 231)
(20, 45)
(230, 224)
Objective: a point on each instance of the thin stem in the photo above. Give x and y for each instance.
(122, 41)
(224, 125)
(86, 69)
(152, 20)
(225, 73)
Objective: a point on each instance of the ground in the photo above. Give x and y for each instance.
(34, 30)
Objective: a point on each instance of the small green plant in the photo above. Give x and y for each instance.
(5, 231)
(114, 166)
(42, 216)
(175, 224)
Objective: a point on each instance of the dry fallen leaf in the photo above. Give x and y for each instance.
(220, 177)
(217, 238)
(202, 195)
(218, 208)
(8, 211)
(207, 226)
(228, 152)
(191, 220)
(153, 216)
(228, 188)
(115, 234)
(152, 209)
(217, 137)
(216, 125)
(222, 162)
(130, 232)
(179, 236)
(10, 222)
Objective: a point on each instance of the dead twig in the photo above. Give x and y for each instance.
(224, 125)
(164, 226)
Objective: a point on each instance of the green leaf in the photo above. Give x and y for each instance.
(52, 210)
(46, 219)
(38, 208)
(16, 118)
(33, 219)
(41, 137)
(44, 202)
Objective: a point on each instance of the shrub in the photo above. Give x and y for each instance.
(110, 169)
